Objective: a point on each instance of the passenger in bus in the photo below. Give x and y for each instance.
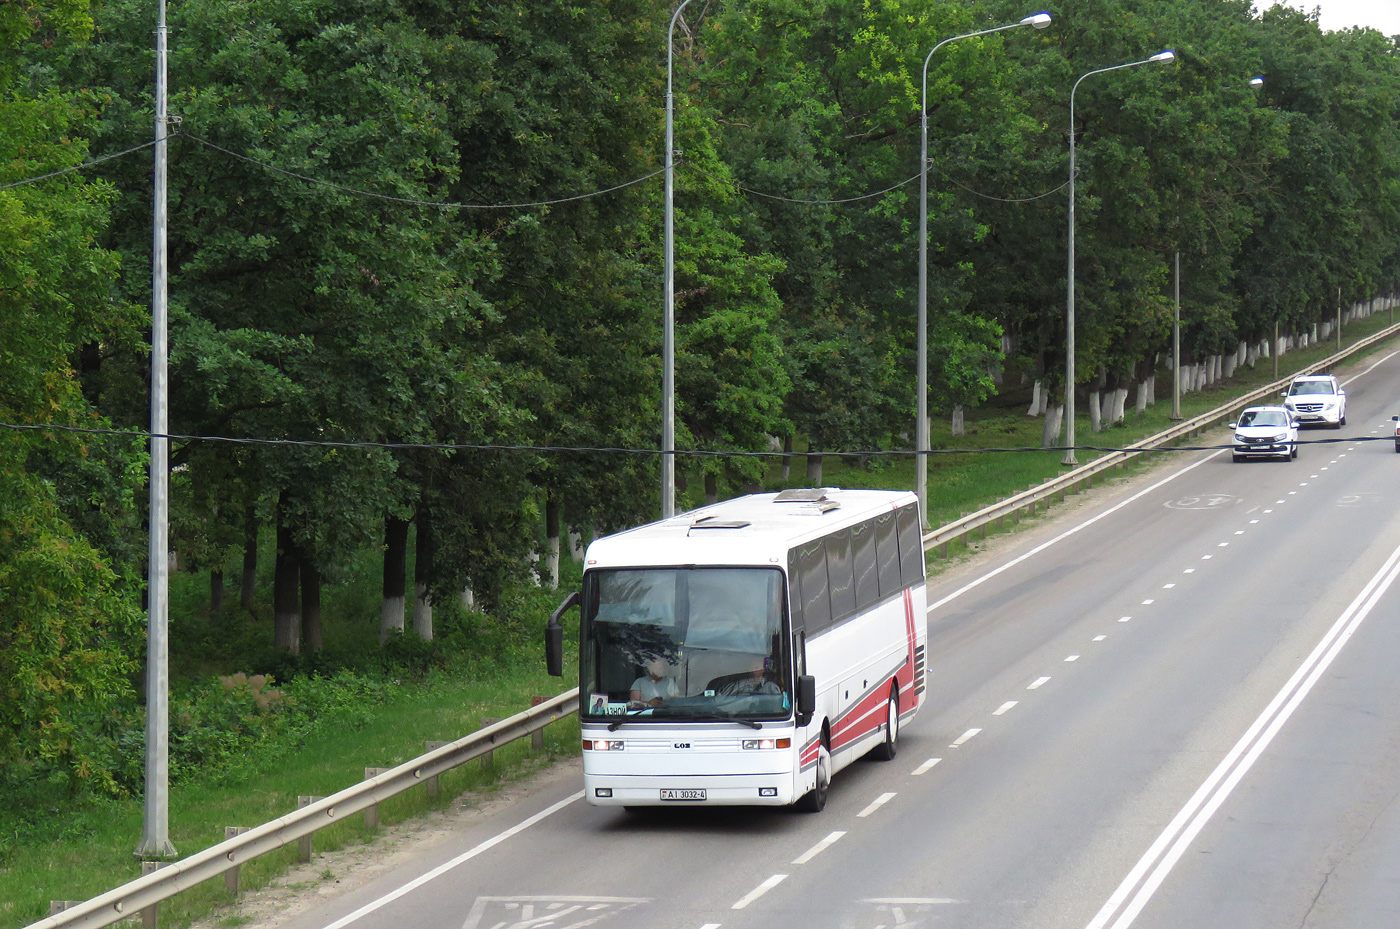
(656, 686)
(757, 681)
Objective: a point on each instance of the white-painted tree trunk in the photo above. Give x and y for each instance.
(958, 425)
(1140, 404)
(1095, 411)
(1037, 401)
(575, 545)
(552, 562)
(422, 612)
(391, 616)
(1050, 429)
(1152, 389)
(468, 598)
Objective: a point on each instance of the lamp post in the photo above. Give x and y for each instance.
(921, 436)
(1256, 81)
(1069, 459)
(668, 326)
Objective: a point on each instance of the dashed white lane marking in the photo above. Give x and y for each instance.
(1268, 511)
(1239, 532)
(1148, 602)
(1071, 531)
(1124, 619)
(1100, 638)
(923, 768)
(1004, 707)
(817, 849)
(1253, 522)
(1223, 545)
(1189, 571)
(1205, 557)
(1168, 586)
(875, 805)
(710, 926)
(964, 737)
(1072, 658)
(1036, 684)
(759, 891)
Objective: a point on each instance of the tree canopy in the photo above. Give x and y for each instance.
(402, 227)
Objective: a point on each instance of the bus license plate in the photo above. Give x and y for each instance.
(686, 793)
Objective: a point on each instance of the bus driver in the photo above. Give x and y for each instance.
(655, 687)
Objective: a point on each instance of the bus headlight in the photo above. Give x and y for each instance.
(766, 743)
(603, 745)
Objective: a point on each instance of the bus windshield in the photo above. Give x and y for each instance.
(684, 643)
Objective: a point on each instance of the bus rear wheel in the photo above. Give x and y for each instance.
(814, 801)
(887, 749)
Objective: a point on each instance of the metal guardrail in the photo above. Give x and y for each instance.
(1070, 481)
(132, 898)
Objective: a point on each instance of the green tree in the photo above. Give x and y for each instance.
(68, 623)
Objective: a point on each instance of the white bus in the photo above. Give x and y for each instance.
(745, 652)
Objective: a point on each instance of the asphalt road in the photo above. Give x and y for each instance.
(1174, 704)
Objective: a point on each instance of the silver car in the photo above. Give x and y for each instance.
(1265, 432)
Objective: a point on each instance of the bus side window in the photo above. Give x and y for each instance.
(816, 605)
(840, 574)
(887, 555)
(794, 591)
(911, 548)
(863, 547)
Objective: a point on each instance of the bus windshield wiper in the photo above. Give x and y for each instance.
(724, 718)
(712, 718)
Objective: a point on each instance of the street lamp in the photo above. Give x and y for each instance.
(1163, 56)
(1256, 81)
(1039, 21)
(668, 326)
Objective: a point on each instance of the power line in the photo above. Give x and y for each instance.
(136, 435)
(82, 167)
(436, 204)
(768, 196)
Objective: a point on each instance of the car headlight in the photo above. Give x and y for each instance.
(1282, 437)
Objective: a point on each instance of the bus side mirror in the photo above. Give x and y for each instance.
(806, 698)
(554, 636)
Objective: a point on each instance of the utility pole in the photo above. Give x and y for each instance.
(155, 828)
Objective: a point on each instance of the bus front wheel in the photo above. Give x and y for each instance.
(814, 801)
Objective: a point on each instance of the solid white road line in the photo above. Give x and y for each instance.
(759, 891)
(1164, 853)
(444, 868)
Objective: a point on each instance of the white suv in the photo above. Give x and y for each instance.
(1317, 398)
